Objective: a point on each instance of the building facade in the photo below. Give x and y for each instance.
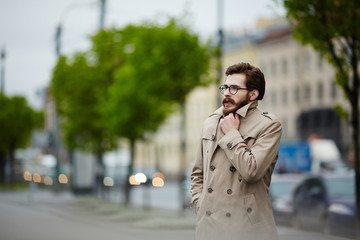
(300, 89)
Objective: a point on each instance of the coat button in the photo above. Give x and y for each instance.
(240, 179)
(212, 137)
(212, 168)
(228, 214)
(249, 210)
(229, 191)
(229, 145)
(208, 213)
(210, 190)
(232, 169)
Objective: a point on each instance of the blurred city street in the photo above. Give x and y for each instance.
(44, 214)
(105, 102)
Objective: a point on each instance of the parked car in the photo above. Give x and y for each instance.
(281, 196)
(326, 203)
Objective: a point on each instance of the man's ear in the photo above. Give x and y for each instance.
(254, 94)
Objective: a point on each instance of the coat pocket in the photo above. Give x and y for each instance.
(251, 209)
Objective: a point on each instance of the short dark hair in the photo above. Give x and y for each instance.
(254, 77)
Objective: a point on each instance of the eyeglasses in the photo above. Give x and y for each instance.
(232, 89)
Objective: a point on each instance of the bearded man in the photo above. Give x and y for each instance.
(236, 158)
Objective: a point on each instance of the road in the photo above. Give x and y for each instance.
(41, 215)
(49, 216)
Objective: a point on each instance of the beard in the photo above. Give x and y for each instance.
(234, 107)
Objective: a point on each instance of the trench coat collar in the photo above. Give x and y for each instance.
(241, 111)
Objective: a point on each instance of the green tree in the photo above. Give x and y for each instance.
(332, 27)
(77, 87)
(17, 121)
(127, 84)
(160, 66)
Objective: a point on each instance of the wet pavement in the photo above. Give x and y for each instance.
(44, 215)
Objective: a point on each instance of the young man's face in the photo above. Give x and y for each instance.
(232, 102)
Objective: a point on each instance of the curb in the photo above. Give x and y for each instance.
(138, 217)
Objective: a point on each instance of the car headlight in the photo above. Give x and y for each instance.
(340, 209)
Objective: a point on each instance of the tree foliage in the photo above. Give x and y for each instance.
(77, 88)
(159, 66)
(128, 83)
(333, 28)
(17, 121)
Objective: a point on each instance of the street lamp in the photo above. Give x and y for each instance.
(54, 132)
(59, 28)
(3, 56)
(220, 44)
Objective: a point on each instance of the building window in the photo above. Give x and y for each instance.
(307, 93)
(263, 67)
(320, 91)
(273, 98)
(284, 96)
(297, 64)
(307, 61)
(333, 89)
(284, 123)
(297, 95)
(284, 66)
(273, 68)
(320, 62)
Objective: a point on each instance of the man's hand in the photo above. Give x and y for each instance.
(230, 122)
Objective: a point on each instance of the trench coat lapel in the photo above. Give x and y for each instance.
(216, 134)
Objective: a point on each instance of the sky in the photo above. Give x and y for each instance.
(27, 30)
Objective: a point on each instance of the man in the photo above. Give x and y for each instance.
(235, 161)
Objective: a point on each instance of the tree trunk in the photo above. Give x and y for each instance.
(354, 101)
(129, 172)
(356, 145)
(13, 166)
(99, 186)
(2, 168)
(182, 156)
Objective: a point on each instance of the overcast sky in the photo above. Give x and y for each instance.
(27, 30)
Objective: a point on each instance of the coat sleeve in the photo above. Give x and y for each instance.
(253, 163)
(197, 178)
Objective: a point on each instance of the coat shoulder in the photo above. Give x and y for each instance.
(270, 116)
(214, 116)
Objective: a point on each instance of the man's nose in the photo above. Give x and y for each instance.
(227, 92)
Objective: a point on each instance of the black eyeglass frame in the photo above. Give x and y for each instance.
(223, 88)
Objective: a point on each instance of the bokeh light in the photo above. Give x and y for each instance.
(108, 182)
(63, 179)
(158, 182)
(27, 176)
(159, 175)
(132, 180)
(140, 177)
(37, 178)
(48, 180)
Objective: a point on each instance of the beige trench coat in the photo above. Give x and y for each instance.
(231, 176)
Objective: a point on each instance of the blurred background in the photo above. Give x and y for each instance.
(107, 98)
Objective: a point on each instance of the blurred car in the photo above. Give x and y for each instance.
(326, 203)
(280, 193)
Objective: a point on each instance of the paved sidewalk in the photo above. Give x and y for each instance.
(46, 215)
